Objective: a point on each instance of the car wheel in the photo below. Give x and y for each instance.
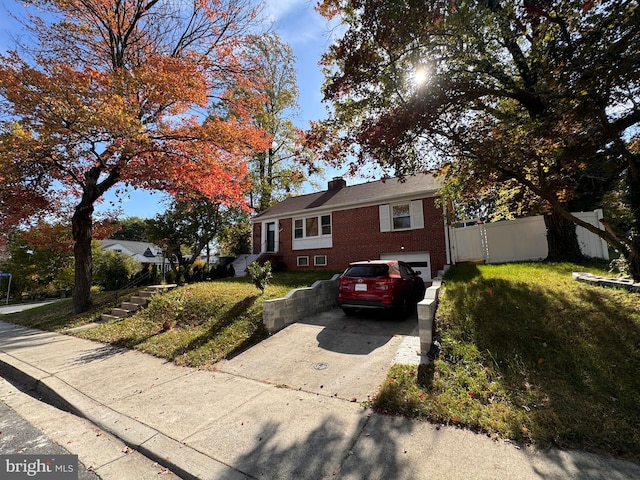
(403, 307)
(349, 311)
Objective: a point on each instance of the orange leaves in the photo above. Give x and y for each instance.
(329, 8)
(55, 237)
(111, 98)
(174, 84)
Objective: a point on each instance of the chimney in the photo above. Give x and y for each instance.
(337, 183)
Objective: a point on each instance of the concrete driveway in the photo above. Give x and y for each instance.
(328, 354)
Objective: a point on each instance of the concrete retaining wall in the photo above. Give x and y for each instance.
(300, 303)
(608, 282)
(426, 314)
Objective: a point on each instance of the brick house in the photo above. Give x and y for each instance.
(382, 219)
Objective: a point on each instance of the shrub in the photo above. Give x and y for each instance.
(221, 271)
(619, 266)
(113, 270)
(260, 275)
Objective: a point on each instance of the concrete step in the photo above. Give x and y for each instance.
(159, 288)
(105, 317)
(130, 306)
(139, 300)
(119, 312)
(145, 294)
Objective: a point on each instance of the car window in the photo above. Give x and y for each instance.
(367, 271)
(406, 270)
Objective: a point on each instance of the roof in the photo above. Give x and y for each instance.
(145, 249)
(362, 194)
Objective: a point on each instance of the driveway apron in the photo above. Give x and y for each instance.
(329, 354)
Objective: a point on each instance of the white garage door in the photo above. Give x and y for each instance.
(419, 261)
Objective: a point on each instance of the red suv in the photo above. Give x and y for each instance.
(382, 284)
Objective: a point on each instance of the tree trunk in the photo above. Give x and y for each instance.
(562, 239)
(82, 224)
(634, 265)
(633, 197)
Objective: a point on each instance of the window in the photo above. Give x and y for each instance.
(401, 216)
(310, 227)
(303, 261)
(320, 260)
(325, 221)
(406, 270)
(298, 231)
(367, 271)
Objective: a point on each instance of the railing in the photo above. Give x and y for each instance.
(133, 283)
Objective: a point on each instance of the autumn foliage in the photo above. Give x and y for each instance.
(122, 93)
(531, 104)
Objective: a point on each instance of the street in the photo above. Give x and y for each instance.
(31, 426)
(18, 436)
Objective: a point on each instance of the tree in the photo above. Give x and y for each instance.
(186, 229)
(260, 275)
(111, 94)
(534, 95)
(131, 228)
(234, 237)
(275, 171)
(113, 270)
(41, 258)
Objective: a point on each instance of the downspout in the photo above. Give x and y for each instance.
(447, 241)
(253, 234)
(263, 237)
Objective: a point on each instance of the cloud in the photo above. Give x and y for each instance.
(277, 9)
(299, 24)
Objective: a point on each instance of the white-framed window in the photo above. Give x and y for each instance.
(298, 228)
(401, 216)
(325, 223)
(302, 261)
(312, 227)
(320, 260)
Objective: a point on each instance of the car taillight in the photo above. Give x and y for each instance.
(384, 284)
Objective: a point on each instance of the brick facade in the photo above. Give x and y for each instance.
(356, 236)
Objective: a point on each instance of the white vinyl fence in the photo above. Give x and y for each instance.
(519, 240)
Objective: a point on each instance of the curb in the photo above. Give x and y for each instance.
(181, 459)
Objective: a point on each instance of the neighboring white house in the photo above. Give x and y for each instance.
(143, 252)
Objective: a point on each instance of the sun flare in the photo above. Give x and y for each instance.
(420, 75)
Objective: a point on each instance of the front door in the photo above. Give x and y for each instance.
(271, 237)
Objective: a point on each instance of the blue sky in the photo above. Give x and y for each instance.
(300, 26)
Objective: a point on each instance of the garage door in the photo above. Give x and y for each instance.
(419, 261)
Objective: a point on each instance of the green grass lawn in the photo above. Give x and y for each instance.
(529, 354)
(195, 325)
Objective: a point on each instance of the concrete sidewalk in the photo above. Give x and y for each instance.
(224, 425)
